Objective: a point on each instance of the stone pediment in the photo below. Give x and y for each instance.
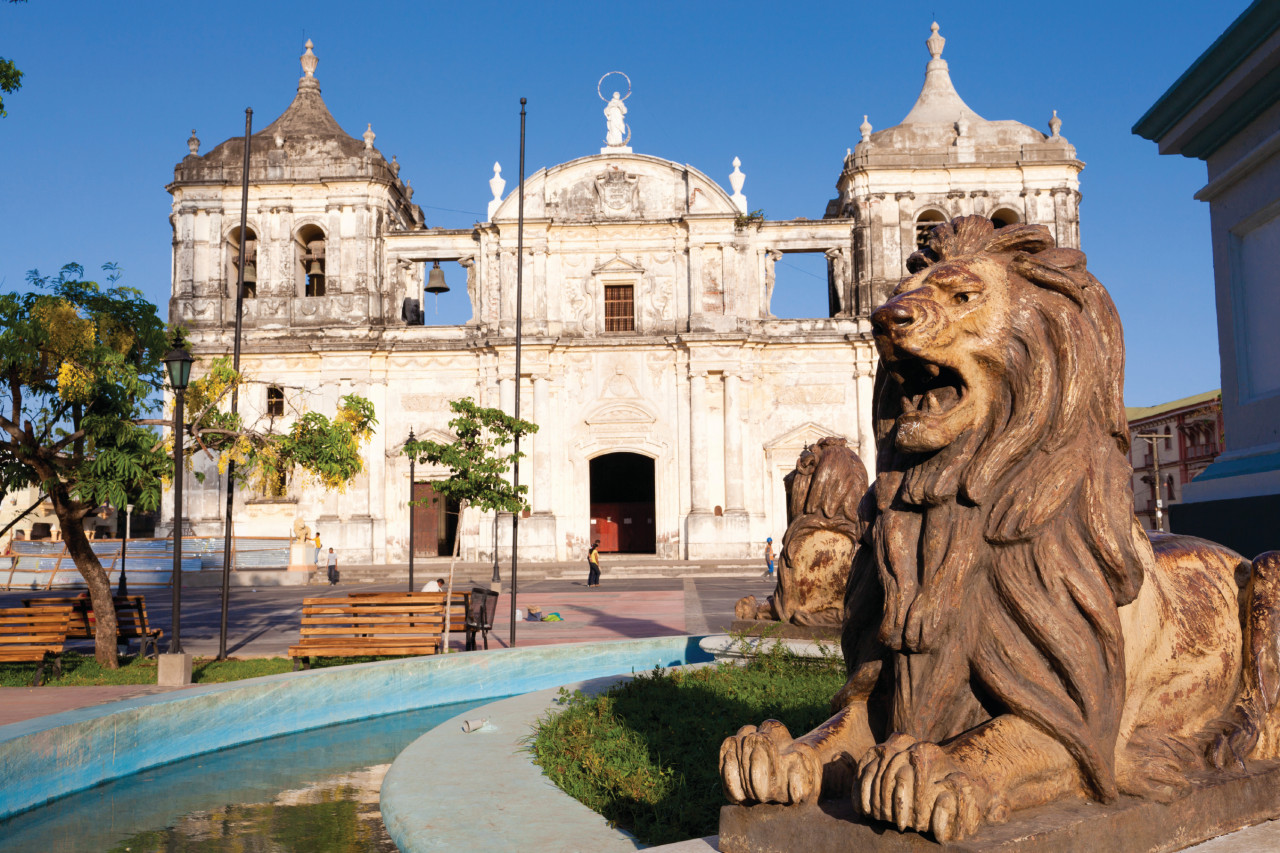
(615, 412)
(618, 188)
(805, 434)
(618, 264)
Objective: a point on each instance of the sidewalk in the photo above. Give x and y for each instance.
(264, 622)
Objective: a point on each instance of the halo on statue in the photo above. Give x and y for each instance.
(605, 77)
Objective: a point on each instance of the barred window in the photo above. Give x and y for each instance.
(275, 401)
(619, 308)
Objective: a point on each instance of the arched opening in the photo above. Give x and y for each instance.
(248, 250)
(310, 254)
(926, 222)
(622, 503)
(1004, 216)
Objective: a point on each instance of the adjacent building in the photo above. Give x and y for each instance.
(1172, 444)
(1225, 110)
(670, 399)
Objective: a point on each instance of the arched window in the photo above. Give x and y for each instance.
(1170, 495)
(1168, 439)
(309, 246)
(248, 250)
(1004, 216)
(926, 222)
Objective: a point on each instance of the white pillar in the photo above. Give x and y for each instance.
(734, 496)
(864, 379)
(698, 441)
(542, 444)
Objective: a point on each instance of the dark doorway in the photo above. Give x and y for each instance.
(622, 503)
(435, 523)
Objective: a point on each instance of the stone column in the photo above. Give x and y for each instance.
(864, 382)
(698, 442)
(734, 490)
(542, 444)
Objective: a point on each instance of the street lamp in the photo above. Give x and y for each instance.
(1151, 439)
(122, 589)
(178, 363)
(411, 461)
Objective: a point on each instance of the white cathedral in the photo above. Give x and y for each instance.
(671, 402)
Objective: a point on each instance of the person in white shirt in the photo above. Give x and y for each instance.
(436, 585)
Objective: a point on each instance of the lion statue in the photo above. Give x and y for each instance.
(1011, 635)
(823, 529)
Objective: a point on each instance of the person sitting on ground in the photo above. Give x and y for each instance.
(436, 585)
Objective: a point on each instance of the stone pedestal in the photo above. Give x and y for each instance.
(1212, 807)
(174, 670)
(298, 553)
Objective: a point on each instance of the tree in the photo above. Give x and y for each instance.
(478, 462)
(81, 364)
(10, 76)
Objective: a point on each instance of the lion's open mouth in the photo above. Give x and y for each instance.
(927, 388)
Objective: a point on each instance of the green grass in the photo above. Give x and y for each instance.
(83, 671)
(645, 754)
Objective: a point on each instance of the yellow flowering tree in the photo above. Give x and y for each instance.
(81, 370)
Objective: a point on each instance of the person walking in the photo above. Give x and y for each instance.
(768, 557)
(333, 568)
(593, 564)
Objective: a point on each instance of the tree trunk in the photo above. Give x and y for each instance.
(448, 595)
(95, 577)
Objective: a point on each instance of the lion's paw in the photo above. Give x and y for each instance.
(917, 785)
(764, 765)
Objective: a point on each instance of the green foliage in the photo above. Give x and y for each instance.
(81, 671)
(479, 459)
(10, 76)
(742, 220)
(645, 754)
(79, 362)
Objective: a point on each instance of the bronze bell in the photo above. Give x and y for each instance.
(435, 281)
(250, 273)
(316, 267)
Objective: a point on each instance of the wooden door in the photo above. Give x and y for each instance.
(426, 521)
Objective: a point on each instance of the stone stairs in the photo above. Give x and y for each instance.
(620, 567)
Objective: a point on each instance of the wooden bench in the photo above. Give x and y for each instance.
(371, 624)
(457, 612)
(36, 634)
(131, 620)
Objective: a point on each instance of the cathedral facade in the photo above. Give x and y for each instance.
(671, 402)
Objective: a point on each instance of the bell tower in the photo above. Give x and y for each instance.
(941, 161)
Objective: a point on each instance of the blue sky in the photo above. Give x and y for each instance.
(112, 92)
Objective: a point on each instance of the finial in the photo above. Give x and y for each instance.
(736, 180)
(935, 42)
(865, 130)
(279, 140)
(1055, 125)
(193, 144)
(395, 166)
(369, 136)
(309, 60)
(496, 186)
(408, 191)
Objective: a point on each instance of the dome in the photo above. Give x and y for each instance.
(306, 136)
(940, 117)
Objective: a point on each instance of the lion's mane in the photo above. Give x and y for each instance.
(992, 570)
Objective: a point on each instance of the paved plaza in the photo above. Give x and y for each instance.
(264, 622)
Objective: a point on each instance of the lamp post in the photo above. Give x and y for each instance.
(178, 363)
(496, 580)
(122, 588)
(1151, 439)
(411, 461)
